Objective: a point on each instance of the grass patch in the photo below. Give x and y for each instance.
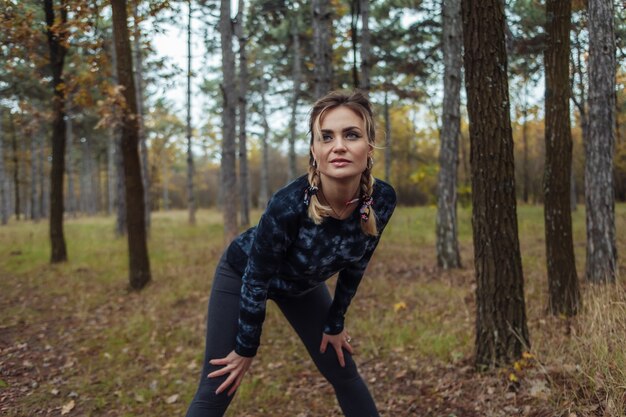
(75, 332)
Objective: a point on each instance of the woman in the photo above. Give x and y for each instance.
(327, 222)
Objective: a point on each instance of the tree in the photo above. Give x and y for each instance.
(323, 55)
(447, 241)
(4, 195)
(191, 203)
(139, 272)
(364, 81)
(601, 266)
(244, 180)
(501, 329)
(139, 83)
(564, 294)
(229, 102)
(57, 37)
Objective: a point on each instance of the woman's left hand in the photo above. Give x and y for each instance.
(338, 341)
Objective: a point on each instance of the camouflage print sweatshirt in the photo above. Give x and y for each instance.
(288, 254)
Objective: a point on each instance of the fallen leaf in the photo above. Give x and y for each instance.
(172, 399)
(68, 407)
(399, 306)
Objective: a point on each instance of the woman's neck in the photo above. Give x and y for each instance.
(339, 192)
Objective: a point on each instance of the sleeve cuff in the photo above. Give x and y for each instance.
(334, 328)
(245, 352)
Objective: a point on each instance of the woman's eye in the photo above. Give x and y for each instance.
(326, 138)
(352, 135)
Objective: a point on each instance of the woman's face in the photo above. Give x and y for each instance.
(342, 150)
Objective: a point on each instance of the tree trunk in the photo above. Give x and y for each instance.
(143, 148)
(34, 179)
(229, 93)
(72, 207)
(564, 293)
(387, 138)
(365, 83)
(120, 223)
(601, 264)
(322, 47)
(264, 188)
(165, 177)
(447, 241)
(296, 79)
(16, 170)
(525, 160)
(111, 172)
(43, 207)
(354, 36)
(501, 330)
(244, 178)
(191, 201)
(56, 42)
(25, 198)
(116, 138)
(4, 195)
(139, 273)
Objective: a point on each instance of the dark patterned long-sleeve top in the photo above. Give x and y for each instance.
(288, 254)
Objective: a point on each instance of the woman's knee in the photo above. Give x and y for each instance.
(206, 396)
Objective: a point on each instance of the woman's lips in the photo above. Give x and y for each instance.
(339, 162)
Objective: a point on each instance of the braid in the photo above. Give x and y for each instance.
(316, 209)
(367, 188)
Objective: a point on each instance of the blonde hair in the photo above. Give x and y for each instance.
(357, 102)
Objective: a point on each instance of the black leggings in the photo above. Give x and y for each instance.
(306, 315)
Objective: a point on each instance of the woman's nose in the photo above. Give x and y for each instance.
(340, 145)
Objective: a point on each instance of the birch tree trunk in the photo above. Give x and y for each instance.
(4, 195)
(56, 45)
(244, 179)
(229, 93)
(264, 191)
(447, 242)
(143, 148)
(139, 271)
(322, 47)
(501, 329)
(601, 266)
(564, 293)
(191, 200)
(365, 83)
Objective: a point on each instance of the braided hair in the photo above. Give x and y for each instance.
(359, 103)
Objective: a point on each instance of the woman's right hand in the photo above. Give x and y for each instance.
(236, 366)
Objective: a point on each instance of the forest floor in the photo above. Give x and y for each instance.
(74, 341)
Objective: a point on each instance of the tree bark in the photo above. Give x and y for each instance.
(564, 293)
(244, 178)
(143, 148)
(264, 189)
(364, 81)
(72, 207)
(191, 200)
(16, 170)
(601, 264)
(447, 241)
(354, 36)
(296, 76)
(322, 47)
(34, 179)
(43, 206)
(111, 172)
(501, 329)
(57, 36)
(388, 155)
(139, 272)
(4, 195)
(229, 94)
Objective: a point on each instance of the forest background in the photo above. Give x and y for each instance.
(181, 163)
